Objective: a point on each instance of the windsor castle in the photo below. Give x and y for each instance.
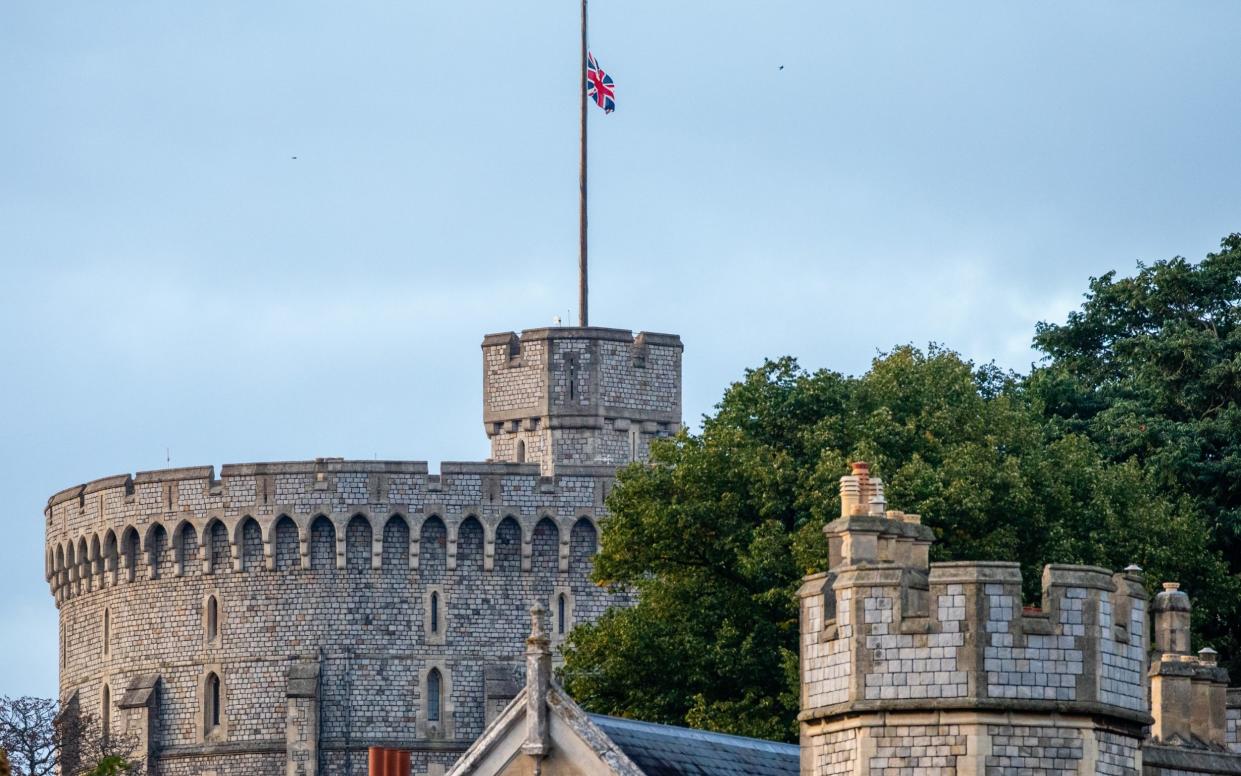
(282, 619)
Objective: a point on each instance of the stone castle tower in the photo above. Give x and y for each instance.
(282, 617)
(570, 396)
(910, 667)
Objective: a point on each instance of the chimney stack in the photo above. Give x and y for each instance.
(1188, 692)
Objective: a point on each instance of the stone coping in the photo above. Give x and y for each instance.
(588, 333)
(973, 703)
(1183, 758)
(880, 525)
(326, 466)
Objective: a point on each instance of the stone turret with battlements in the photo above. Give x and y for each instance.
(910, 667)
(282, 617)
(572, 396)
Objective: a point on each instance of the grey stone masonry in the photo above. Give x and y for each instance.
(569, 396)
(940, 668)
(284, 616)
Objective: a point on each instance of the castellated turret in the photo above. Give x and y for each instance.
(279, 618)
(570, 396)
(911, 668)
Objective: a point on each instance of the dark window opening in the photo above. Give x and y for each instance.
(213, 619)
(213, 701)
(433, 695)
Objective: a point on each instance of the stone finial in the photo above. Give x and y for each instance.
(538, 681)
(1172, 609)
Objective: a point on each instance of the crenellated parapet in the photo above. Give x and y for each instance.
(285, 617)
(167, 522)
(897, 652)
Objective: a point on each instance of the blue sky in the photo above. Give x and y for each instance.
(171, 278)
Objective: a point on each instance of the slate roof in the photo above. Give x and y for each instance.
(664, 750)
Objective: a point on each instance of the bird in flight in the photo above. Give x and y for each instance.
(781, 67)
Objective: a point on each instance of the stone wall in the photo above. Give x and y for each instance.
(910, 667)
(569, 396)
(325, 565)
(965, 639)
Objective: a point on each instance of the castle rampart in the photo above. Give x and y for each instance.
(912, 668)
(282, 617)
(324, 566)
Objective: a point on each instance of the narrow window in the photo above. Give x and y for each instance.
(435, 612)
(521, 451)
(213, 701)
(213, 619)
(433, 695)
(105, 714)
(107, 630)
(560, 614)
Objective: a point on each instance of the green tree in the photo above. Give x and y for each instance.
(113, 765)
(1150, 370)
(716, 532)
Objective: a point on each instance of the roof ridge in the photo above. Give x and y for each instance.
(708, 735)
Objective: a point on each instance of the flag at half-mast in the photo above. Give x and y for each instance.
(599, 86)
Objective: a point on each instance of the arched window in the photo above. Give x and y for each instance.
(434, 682)
(107, 630)
(435, 612)
(212, 715)
(105, 713)
(521, 451)
(213, 619)
(560, 614)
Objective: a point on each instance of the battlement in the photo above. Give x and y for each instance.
(915, 667)
(955, 636)
(569, 396)
(158, 523)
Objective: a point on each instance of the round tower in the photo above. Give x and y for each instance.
(282, 617)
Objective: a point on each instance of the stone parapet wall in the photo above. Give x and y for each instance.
(90, 527)
(884, 636)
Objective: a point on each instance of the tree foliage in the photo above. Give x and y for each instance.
(40, 741)
(28, 733)
(715, 533)
(1149, 369)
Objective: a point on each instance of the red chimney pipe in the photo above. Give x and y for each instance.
(375, 761)
(402, 764)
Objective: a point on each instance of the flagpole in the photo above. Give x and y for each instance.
(583, 316)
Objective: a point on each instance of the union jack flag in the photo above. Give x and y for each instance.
(599, 86)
